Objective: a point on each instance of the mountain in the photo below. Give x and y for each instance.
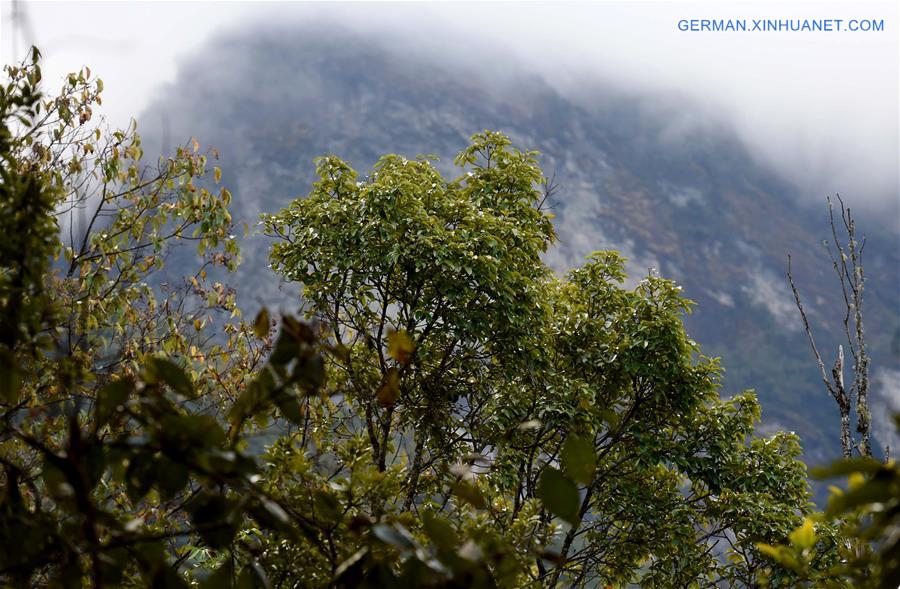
(647, 175)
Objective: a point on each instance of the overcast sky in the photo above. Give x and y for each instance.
(821, 108)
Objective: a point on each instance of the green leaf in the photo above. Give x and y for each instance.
(348, 567)
(255, 397)
(872, 491)
(610, 417)
(55, 477)
(327, 507)
(309, 371)
(139, 475)
(212, 514)
(579, 461)
(163, 370)
(440, 531)
(190, 432)
(252, 577)
(559, 494)
(166, 578)
(10, 377)
(67, 576)
(110, 398)
(847, 466)
(469, 493)
(290, 408)
(395, 536)
(221, 578)
(270, 515)
(171, 477)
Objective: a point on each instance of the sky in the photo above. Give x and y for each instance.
(820, 108)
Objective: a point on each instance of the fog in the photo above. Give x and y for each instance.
(819, 108)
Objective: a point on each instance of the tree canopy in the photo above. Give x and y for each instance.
(571, 413)
(447, 412)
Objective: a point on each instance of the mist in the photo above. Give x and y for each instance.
(819, 109)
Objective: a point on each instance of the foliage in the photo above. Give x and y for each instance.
(572, 414)
(871, 506)
(868, 514)
(453, 416)
(113, 458)
(26, 204)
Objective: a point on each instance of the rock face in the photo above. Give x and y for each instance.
(633, 172)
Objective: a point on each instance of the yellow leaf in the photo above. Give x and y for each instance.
(261, 324)
(400, 346)
(217, 172)
(390, 387)
(768, 549)
(805, 536)
(195, 144)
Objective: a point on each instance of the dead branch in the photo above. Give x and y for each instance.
(846, 260)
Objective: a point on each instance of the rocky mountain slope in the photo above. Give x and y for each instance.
(635, 173)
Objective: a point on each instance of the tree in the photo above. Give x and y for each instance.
(866, 512)
(846, 259)
(475, 392)
(27, 203)
(113, 461)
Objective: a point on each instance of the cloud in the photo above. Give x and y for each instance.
(885, 402)
(682, 196)
(766, 289)
(819, 108)
(721, 297)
